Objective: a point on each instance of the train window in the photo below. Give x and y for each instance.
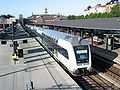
(79, 47)
(82, 53)
(63, 51)
(42, 34)
(51, 49)
(82, 56)
(53, 39)
(56, 41)
(51, 46)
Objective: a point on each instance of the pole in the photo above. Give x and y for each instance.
(112, 42)
(14, 44)
(107, 36)
(32, 87)
(3, 22)
(14, 51)
(92, 38)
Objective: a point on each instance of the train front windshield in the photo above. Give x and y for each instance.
(81, 53)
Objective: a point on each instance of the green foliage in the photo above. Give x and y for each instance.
(115, 12)
(7, 16)
(80, 17)
(72, 17)
(86, 17)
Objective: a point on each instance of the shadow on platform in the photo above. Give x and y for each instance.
(27, 69)
(102, 59)
(35, 50)
(106, 54)
(35, 56)
(64, 87)
(36, 60)
(117, 46)
(31, 47)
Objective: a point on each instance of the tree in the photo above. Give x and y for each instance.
(115, 12)
(7, 16)
(72, 17)
(92, 15)
(80, 17)
(86, 16)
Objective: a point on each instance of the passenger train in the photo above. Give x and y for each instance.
(73, 52)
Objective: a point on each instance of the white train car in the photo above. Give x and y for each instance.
(72, 52)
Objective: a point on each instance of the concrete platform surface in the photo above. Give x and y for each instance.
(36, 66)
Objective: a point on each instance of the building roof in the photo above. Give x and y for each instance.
(33, 16)
(46, 17)
(97, 23)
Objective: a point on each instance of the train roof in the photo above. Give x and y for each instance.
(60, 35)
(56, 35)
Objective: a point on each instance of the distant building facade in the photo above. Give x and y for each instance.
(100, 8)
(45, 17)
(6, 22)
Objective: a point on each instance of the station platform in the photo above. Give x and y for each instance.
(113, 55)
(37, 67)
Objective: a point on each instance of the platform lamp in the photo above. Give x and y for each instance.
(14, 55)
(13, 38)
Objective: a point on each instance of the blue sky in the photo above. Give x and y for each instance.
(64, 7)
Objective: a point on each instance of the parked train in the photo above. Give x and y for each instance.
(72, 52)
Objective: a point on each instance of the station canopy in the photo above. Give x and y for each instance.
(97, 23)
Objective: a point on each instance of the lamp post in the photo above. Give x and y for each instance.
(3, 22)
(14, 55)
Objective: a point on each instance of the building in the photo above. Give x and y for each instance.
(100, 8)
(45, 17)
(6, 22)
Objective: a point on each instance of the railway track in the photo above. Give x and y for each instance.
(88, 83)
(106, 76)
(95, 82)
(107, 70)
